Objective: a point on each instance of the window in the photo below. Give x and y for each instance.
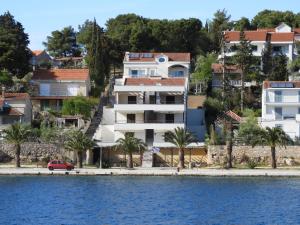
(137, 73)
(254, 48)
(45, 105)
(169, 118)
(299, 110)
(45, 89)
(277, 49)
(269, 110)
(152, 72)
(278, 125)
(131, 99)
(278, 113)
(278, 96)
(177, 73)
(170, 99)
(130, 118)
(298, 96)
(73, 90)
(161, 59)
(152, 99)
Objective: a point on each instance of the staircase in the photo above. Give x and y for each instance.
(147, 159)
(96, 120)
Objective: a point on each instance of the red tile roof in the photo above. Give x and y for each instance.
(282, 37)
(250, 35)
(218, 68)
(183, 57)
(14, 112)
(151, 82)
(15, 96)
(234, 116)
(61, 74)
(297, 30)
(37, 52)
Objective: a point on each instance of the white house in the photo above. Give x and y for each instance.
(150, 99)
(281, 106)
(282, 39)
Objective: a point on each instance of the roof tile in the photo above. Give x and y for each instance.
(61, 74)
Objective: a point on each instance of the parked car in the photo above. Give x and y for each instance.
(59, 164)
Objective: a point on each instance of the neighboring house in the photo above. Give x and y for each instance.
(71, 62)
(150, 100)
(281, 106)
(282, 39)
(232, 76)
(52, 86)
(40, 58)
(14, 107)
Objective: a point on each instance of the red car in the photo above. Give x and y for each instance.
(59, 164)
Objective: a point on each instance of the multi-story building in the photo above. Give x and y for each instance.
(52, 86)
(150, 99)
(282, 39)
(14, 107)
(281, 106)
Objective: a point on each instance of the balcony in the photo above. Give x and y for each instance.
(148, 124)
(235, 83)
(152, 107)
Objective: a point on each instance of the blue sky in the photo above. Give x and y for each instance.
(39, 18)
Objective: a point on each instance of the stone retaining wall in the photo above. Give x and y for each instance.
(32, 152)
(290, 155)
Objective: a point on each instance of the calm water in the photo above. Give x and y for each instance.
(148, 200)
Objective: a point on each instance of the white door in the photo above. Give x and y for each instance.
(45, 89)
(73, 90)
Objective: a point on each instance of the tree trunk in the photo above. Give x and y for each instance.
(129, 161)
(229, 153)
(79, 159)
(242, 91)
(141, 158)
(172, 154)
(181, 158)
(18, 152)
(273, 157)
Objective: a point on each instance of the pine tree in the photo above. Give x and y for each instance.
(267, 60)
(14, 51)
(244, 59)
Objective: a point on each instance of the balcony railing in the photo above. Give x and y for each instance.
(177, 102)
(148, 121)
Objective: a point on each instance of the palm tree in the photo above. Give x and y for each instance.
(181, 138)
(272, 137)
(17, 134)
(130, 144)
(78, 142)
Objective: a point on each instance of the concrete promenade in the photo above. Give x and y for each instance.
(157, 172)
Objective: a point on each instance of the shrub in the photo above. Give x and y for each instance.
(251, 163)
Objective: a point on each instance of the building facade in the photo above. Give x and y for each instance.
(281, 106)
(51, 87)
(282, 38)
(150, 100)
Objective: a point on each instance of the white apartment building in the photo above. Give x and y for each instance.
(281, 106)
(150, 99)
(282, 39)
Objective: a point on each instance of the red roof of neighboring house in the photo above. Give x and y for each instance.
(61, 74)
(37, 52)
(266, 29)
(15, 96)
(282, 37)
(297, 30)
(250, 35)
(218, 68)
(184, 57)
(14, 112)
(150, 82)
(234, 116)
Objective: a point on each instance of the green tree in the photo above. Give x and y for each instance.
(78, 105)
(267, 59)
(130, 144)
(279, 68)
(17, 134)
(181, 138)
(242, 24)
(5, 79)
(203, 69)
(62, 43)
(78, 142)
(14, 52)
(272, 18)
(244, 59)
(272, 137)
(220, 23)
